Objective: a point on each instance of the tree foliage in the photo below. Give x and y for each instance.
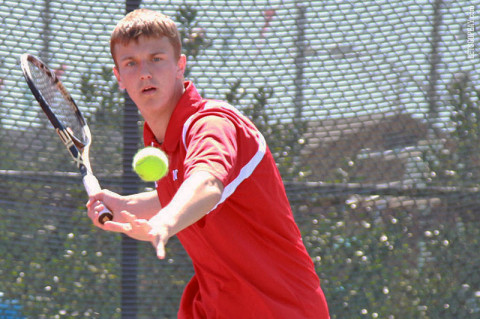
(457, 160)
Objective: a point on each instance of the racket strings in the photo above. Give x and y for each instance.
(53, 93)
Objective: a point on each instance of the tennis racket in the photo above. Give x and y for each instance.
(66, 118)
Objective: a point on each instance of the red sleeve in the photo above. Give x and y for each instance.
(211, 143)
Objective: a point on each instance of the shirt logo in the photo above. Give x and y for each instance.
(175, 174)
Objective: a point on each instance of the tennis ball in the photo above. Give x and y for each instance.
(150, 163)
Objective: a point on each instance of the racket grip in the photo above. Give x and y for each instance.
(105, 215)
(92, 186)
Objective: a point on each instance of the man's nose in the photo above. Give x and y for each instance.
(145, 72)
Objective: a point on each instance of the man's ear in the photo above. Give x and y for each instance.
(181, 65)
(117, 75)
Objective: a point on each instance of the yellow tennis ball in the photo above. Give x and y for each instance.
(150, 163)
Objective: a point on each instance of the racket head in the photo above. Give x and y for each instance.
(55, 101)
(66, 118)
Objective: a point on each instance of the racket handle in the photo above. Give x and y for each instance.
(92, 186)
(105, 215)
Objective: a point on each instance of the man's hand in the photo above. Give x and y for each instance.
(113, 201)
(131, 216)
(141, 216)
(141, 229)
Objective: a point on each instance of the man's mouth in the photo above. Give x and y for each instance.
(149, 89)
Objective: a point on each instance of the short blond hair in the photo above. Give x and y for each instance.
(148, 23)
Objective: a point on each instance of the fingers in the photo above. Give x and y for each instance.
(159, 246)
(117, 227)
(159, 242)
(94, 207)
(125, 226)
(131, 226)
(139, 229)
(94, 198)
(97, 203)
(127, 223)
(160, 237)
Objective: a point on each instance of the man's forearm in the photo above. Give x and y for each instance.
(143, 205)
(197, 196)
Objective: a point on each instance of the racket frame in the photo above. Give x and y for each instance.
(78, 150)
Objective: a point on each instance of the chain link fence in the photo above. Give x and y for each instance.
(372, 111)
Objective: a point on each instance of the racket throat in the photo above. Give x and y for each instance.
(67, 138)
(72, 149)
(84, 170)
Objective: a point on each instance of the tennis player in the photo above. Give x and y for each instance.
(223, 196)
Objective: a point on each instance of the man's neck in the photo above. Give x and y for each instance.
(159, 122)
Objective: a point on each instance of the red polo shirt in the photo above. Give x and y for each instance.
(247, 253)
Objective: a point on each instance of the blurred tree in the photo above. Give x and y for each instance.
(457, 162)
(102, 97)
(278, 133)
(194, 38)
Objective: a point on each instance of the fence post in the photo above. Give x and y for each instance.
(129, 263)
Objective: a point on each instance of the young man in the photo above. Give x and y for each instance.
(223, 195)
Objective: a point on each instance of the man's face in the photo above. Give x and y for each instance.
(151, 74)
